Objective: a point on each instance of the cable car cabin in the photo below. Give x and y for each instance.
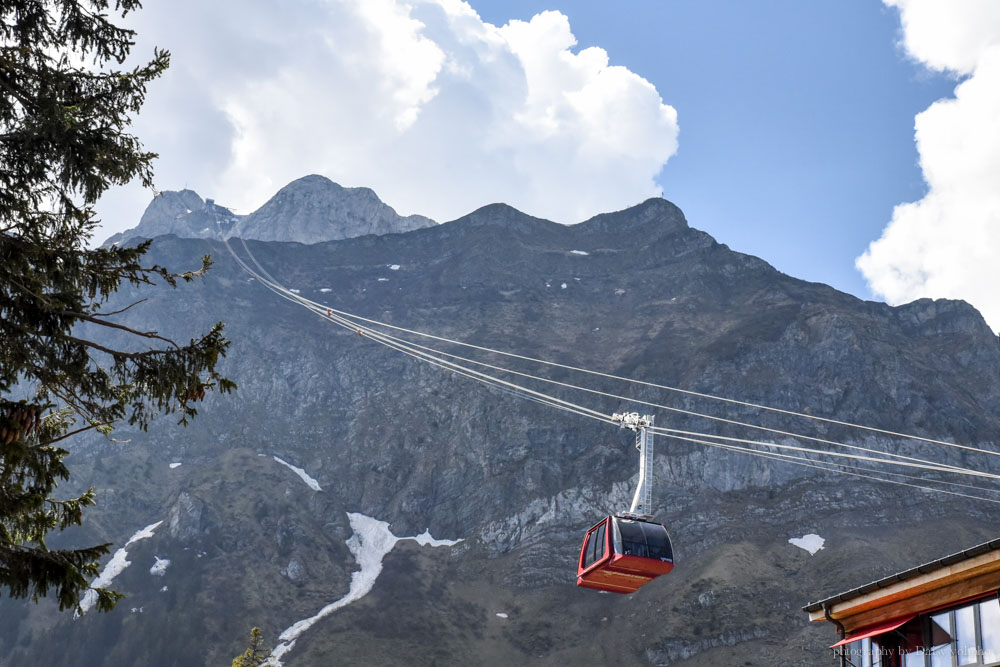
(622, 554)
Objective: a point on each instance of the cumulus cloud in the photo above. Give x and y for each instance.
(948, 243)
(436, 110)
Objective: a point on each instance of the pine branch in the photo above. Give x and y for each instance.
(122, 327)
(120, 310)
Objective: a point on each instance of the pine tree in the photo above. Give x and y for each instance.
(255, 655)
(65, 113)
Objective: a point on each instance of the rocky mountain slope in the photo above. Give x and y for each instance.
(311, 209)
(182, 213)
(314, 209)
(252, 541)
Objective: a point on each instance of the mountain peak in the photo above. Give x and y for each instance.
(313, 178)
(655, 215)
(500, 218)
(180, 212)
(314, 208)
(311, 209)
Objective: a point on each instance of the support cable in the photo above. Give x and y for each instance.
(620, 378)
(423, 353)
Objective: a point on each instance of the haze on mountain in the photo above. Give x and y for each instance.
(326, 499)
(310, 209)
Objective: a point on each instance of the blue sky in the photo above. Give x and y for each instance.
(796, 118)
(850, 142)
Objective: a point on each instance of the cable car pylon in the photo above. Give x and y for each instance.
(642, 501)
(624, 552)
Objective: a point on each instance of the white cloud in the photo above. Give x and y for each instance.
(947, 244)
(436, 110)
(949, 35)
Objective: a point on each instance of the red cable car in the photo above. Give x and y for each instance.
(623, 553)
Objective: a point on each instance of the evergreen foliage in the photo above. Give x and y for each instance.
(255, 655)
(65, 112)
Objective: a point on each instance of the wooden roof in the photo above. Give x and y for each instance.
(949, 580)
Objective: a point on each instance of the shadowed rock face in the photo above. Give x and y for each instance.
(637, 293)
(311, 209)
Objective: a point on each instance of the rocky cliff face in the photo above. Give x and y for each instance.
(636, 293)
(183, 214)
(311, 209)
(314, 209)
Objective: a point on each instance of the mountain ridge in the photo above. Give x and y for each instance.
(310, 209)
(313, 208)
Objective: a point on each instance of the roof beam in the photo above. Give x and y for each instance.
(941, 586)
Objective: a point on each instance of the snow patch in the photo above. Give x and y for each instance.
(175, 464)
(370, 543)
(311, 482)
(500, 614)
(394, 267)
(325, 289)
(563, 286)
(424, 539)
(114, 567)
(143, 534)
(811, 543)
(160, 566)
(163, 590)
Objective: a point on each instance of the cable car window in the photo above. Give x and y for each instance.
(588, 550)
(594, 547)
(633, 539)
(599, 543)
(657, 541)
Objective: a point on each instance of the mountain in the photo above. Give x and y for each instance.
(311, 209)
(314, 209)
(276, 502)
(182, 213)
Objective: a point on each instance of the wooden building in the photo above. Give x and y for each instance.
(945, 613)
